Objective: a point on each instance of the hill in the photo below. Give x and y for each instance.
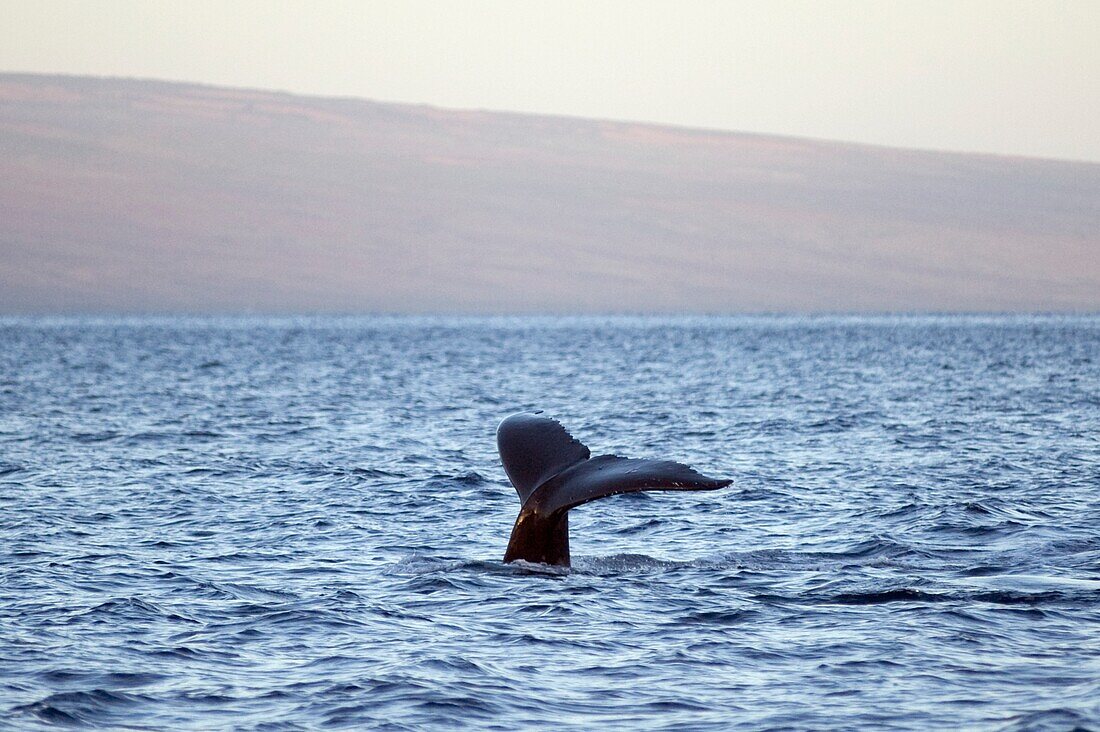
(142, 196)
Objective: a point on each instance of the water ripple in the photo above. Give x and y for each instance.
(282, 524)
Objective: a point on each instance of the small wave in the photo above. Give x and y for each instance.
(997, 597)
(899, 511)
(7, 468)
(1050, 720)
(638, 528)
(468, 478)
(94, 437)
(843, 422)
(133, 608)
(1041, 583)
(369, 473)
(625, 563)
(133, 679)
(202, 434)
(415, 564)
(419, 564)
(524, 567)
(139, 438)
(237, 590)
(718, 617)
(127, 605)
(94, 707)
(875, 598)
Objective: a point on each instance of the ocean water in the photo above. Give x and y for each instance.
(284, 524)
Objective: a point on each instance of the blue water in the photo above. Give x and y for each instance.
(298, 523)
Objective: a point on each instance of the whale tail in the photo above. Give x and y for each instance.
(552, 472)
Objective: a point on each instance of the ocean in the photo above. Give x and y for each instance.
(298, 523)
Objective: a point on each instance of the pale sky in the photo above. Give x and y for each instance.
(1017, 78)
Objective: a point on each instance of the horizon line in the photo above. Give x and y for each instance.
(274, 315)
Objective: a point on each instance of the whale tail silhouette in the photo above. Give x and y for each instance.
(552, 472)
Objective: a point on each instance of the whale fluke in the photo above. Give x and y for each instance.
(552, 472)
(535, 449)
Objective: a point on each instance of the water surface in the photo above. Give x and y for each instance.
(288, 524)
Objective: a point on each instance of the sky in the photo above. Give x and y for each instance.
(1004, 77)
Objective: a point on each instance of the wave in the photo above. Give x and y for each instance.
(93, 707)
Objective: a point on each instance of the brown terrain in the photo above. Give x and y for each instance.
(141, 196)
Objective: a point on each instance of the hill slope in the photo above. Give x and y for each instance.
(119, 195)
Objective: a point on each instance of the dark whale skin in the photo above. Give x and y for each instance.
(553, 472)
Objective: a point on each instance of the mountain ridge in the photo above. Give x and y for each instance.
(33, 76)
(150, 196)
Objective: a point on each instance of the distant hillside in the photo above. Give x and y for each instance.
(120, 195)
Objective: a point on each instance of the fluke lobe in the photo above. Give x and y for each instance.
(552, 472)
